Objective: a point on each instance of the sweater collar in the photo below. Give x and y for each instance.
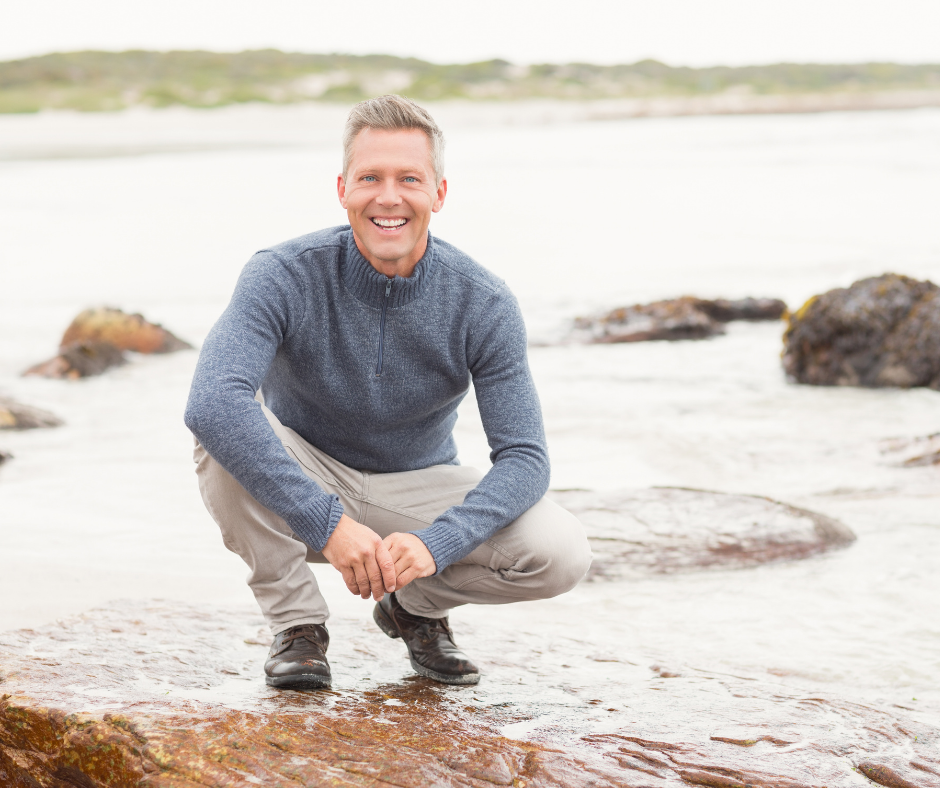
(368, 285)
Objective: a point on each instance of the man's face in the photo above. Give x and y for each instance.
(389, 195)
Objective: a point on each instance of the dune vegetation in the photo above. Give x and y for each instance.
(96, 81)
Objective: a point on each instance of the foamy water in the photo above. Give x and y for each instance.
(158, 212)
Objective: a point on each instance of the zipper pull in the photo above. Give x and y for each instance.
(388, 287)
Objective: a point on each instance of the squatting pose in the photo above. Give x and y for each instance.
(323, 407)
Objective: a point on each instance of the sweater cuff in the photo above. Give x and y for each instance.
(316, 524)
(444, 544)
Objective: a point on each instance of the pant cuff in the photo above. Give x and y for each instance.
(276, 629)
(417, 603)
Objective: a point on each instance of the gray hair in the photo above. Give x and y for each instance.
(392, 113)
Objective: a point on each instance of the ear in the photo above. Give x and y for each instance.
(441, 194)
(341, 189)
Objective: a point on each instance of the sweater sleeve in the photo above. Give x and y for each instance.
(512, 418)
(268, 305)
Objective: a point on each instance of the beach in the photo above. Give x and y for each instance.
(157, 211)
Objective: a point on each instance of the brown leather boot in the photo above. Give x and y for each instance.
(430, 643)
(297, 659)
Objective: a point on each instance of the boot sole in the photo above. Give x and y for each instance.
(388, 627)
(467, 678)
(305, 681)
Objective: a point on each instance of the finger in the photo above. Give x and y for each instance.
(386, 566)
(402, 564)
(349, 578)
(393, 546)
(362, 580)
(406, 577)
(376, 588)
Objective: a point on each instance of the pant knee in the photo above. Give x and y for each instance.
(569, 564)
(563, 556)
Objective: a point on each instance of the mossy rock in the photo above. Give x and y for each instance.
(881, 331)
(122, 330)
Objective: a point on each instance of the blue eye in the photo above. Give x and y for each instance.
(411, 179)
(369, 178)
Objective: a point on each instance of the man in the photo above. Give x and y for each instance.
(363, 340)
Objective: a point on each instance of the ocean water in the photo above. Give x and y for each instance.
(157, 212)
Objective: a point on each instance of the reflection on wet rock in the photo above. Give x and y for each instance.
(678, 318)
(152, 696)
(882, 331)
(672, 529)
(96, 339)
(172, 696)
(17, 416)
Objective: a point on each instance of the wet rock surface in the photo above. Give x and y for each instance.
(170, 695)
(674, 319)
(95, 342)
(174, 696)
(882, 331)
(662, 530)
(913, 452)
(124, 331)
(17, 416)
(79, 360)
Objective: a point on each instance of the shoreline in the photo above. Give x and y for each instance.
(71, 134)
(770, 104)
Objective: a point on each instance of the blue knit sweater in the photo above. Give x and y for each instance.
(370, 370)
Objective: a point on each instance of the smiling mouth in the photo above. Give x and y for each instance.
(389, 224)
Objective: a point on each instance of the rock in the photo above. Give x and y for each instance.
(882, 331)
(79, 360)
(4, 456)
(124, 331)
(670, 529)
(679, 318)
(16, 416)
(96, 340)
(913, 452)
(751, 309)
(158, 697)
(168, 695)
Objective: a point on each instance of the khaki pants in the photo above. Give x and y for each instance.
(540, 555)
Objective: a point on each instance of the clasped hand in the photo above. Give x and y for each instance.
(372, 566)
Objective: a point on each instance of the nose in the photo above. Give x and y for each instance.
(389, 195)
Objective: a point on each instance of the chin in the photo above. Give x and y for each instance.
(391, 251)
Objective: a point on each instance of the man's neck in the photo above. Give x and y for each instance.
(403, 267)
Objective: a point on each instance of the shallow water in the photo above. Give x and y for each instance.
(158, 213)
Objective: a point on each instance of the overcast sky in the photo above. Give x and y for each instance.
(680, 32)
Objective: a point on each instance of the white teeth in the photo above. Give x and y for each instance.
(389, 222)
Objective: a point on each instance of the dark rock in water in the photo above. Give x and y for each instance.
(4, 456)
(168, 695)
(678, 318)
(669, 529)
(80, 360)
(96, 340)
(753, 309)
(882, 331)
(124, 331)
(16, 416)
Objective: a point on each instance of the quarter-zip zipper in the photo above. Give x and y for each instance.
(388, 289)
